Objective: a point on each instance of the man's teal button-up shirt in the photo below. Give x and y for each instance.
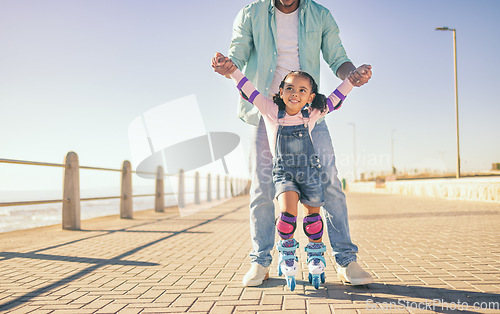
(253, 46)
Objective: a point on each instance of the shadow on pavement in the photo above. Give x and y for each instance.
(389, 297)
(98, 263)
(402, 297)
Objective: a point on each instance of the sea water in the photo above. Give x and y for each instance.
(31, 216)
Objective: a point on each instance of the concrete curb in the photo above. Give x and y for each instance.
(466, 189)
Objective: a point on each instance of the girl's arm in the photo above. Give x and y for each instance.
(250, 93)
(225, 66)
(334, 101)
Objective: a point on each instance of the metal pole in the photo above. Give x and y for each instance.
(392, 151)
(456, 90)
(456, 99)
(354, 148)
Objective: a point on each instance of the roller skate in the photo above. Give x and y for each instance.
(316, 263)
(287, 263)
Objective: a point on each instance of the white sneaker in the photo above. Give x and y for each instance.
(354, 274)
(256, 275)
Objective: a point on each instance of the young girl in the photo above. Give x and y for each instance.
(290, 117)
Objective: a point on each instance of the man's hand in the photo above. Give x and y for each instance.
(223, 65)
(361, 75)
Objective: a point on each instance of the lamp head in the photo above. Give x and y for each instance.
(445, 28)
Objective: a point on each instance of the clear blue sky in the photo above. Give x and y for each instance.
(74, 74)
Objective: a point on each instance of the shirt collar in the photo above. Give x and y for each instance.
(302, 4)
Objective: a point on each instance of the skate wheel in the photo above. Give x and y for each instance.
(290, 281)
(310, 278)
(323, 278)
(315, 281)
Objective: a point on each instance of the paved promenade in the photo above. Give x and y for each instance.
(426, 255)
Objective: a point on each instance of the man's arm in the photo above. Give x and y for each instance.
(336, 57)
(333, 51)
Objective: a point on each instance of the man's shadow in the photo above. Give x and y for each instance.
(392, 297)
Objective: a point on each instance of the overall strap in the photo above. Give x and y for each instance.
(281, 115)
(305, 115)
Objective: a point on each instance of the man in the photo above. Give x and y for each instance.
(270, 39)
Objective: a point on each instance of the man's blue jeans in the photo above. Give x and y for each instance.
(262, 217)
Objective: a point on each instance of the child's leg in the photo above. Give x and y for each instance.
(288, 202)
(313, 228)
(287, 220)
(313, 224)
(286, 225)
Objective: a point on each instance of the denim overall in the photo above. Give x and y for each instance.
(296, 166)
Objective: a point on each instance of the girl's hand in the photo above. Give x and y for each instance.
(223, 65)
(361, 75)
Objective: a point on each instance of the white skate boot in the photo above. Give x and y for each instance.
(316, 263)
(287, 263)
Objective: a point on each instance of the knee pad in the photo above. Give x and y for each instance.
(286, 224)
(313, 226)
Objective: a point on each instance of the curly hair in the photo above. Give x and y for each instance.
(319, 101)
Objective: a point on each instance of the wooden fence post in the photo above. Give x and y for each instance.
(71, 193)
(160, 191)
(209, 188)
(225, 187)
(218, 187)
(126, 201)
(180, 193)
(197, 188)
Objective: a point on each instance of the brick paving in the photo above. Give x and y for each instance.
(419, 250)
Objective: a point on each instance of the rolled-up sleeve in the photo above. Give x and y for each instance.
(242, 40)
(331, 46)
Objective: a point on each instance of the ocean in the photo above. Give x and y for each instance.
(31, 216)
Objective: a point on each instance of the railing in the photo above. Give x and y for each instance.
(71, 189)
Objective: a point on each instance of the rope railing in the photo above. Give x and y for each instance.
(37, 163)
(71, 189)
(34, 163)
(5, 204)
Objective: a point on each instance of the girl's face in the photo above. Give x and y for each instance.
(296, 93)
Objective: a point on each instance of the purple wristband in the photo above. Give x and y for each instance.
(252, 96)
(242, 82)
(330, 105)
(339, 94)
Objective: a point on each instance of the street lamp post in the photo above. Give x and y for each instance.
(392, 151)
(354, 147)
(456, 90)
